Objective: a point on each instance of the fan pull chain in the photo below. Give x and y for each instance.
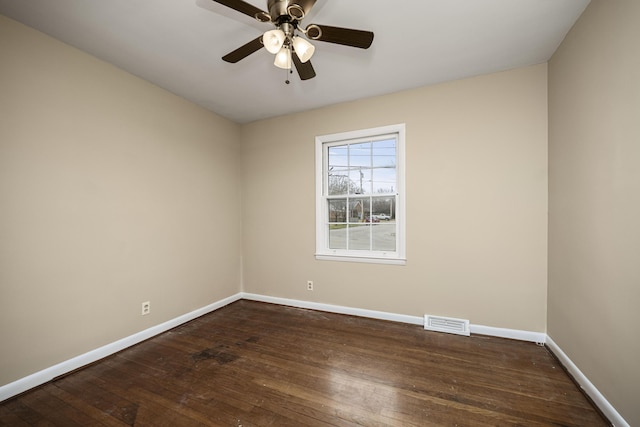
(289, 71)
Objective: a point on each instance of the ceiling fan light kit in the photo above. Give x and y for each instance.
(303, 48)
(283, 58)
(283, 41)
(273, 40)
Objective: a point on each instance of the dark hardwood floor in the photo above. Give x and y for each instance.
(257, 364)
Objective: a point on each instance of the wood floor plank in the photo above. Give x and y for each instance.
(255, 364)
(54, 410)
(24, 413)
(85, 396)
(111, 417)
(10, 415)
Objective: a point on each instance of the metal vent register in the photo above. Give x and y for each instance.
(446, 324)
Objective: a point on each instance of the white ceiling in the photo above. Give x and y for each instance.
(177, 44)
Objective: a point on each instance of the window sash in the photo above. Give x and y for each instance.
(347, 214)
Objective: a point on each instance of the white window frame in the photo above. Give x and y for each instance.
(323, 252)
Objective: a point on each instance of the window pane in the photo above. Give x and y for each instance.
(360, 180)
(384, 208)
(338, 210)
(360, 167)
(384, 237)
(384, 180)
(384, 166)
(339, 183)
(339, 156)
(360, 155)
(359, 209)
(337, 236)
(359, 237)
(384, 147)
(338, 172)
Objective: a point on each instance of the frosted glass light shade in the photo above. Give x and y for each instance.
(273, 40)
(303, 48)
(283, 59)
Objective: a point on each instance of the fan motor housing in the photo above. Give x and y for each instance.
(296, 9)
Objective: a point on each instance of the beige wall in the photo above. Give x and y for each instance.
(594, 200)
(112, 192)
(476, 203)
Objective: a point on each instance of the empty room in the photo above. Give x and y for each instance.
(319, 213)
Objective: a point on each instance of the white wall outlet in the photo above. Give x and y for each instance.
(146, 308)
(309, 285)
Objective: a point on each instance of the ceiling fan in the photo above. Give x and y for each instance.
(284, 41)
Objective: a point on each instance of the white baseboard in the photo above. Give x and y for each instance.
(339, 309)
(537, 337)
(514, 334)
(598, 399)
(41, 377)
(12, 389)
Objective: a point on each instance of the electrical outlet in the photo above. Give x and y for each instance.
(146, 308)
(309, 285)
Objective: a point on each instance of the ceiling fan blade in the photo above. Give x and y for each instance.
(305, 69)
(243, 51)
(344, 36)
(246, 8)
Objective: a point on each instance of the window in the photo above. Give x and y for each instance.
(360, 196)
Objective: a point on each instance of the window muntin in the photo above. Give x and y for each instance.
(359, 196)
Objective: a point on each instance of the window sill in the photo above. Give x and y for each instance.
(363, 259)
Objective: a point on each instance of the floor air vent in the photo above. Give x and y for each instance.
(446, 324)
